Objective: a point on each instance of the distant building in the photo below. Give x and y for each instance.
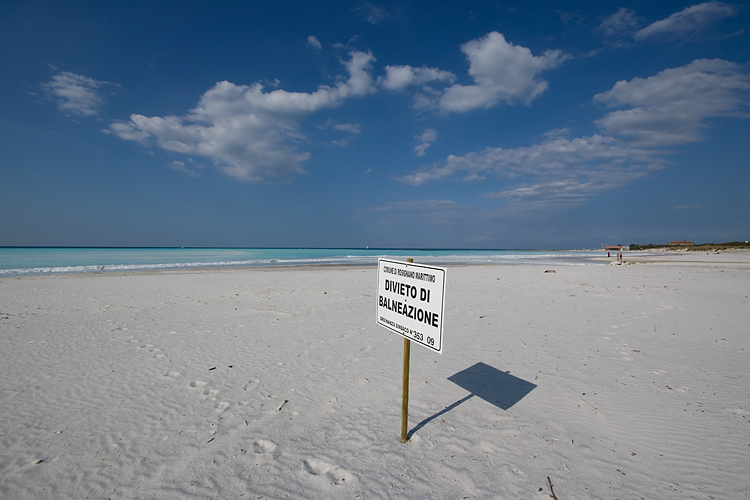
(681, 243)
(613, 248)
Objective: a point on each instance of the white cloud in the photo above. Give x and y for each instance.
(570, 18)
(623, 20)
(248, 133)
(562, 171)
(501, 72)
(552, 157)
(128, 132)
(665, 109)
(400, 77)
(343, 143)
(427, 137)
(313, 42)
(688, 21)
(352, 128)
(75, 94)
(421, 205)
(180, 167)
(668, 109)
(372, 13)
(573, 190)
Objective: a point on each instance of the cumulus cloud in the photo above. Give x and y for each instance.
(313, 42)
(666, 109)
(669, 108)
(400, 77)
(248, 133)
(427, 137)
(76, 95)
(688, 21)
(501, 72)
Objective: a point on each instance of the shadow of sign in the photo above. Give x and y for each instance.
(498, 388)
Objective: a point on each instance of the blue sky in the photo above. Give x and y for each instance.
(384, 124)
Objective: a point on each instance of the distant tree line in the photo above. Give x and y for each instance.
(692, 248)
(634, 246)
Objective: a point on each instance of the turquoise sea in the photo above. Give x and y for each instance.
(29, 261)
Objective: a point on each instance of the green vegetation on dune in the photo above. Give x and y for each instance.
(694, 248)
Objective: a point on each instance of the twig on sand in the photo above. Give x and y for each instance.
(551, 491)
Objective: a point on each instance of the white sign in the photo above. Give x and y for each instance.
(411, 301)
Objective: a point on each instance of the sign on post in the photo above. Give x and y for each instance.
(411, 301)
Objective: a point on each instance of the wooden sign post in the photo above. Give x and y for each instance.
(405, 388)
(410, 303)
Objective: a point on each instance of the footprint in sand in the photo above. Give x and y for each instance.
(340, 476)
(172, 374)
(316, 467)
(262, 446)
(265, 451)
(334, 474)
(197, 383)
(252, 384)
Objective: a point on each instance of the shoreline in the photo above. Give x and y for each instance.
(156, 262)
(740, 257)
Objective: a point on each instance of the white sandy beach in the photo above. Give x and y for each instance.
(627, 381)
